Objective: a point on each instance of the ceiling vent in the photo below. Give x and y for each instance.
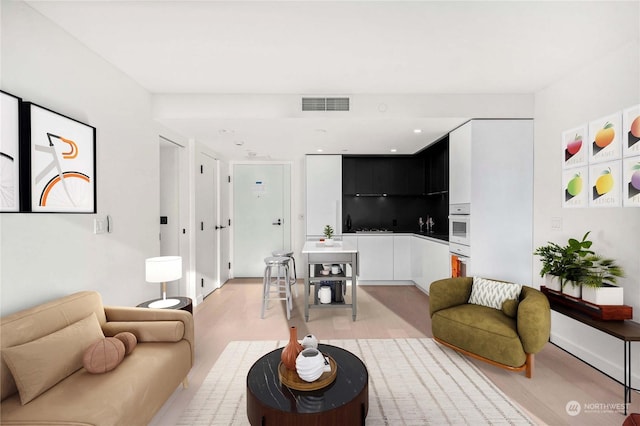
(325, 104)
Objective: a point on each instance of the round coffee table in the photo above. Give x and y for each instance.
(343, 402)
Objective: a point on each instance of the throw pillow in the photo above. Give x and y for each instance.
(38, 365)
(104, 355)
(510, 307)
(129, 340)
(492, 293)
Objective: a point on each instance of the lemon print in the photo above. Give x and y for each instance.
(604, 183)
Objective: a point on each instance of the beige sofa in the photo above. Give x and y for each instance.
(128, 395)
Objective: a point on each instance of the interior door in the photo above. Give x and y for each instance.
(206, 222)
(224, 222)
(262, 215)
(169, 205)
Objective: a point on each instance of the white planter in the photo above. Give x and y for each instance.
(609, 295)
(552, 282)
(572, 290)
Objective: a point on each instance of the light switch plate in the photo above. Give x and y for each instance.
(100, 225)
(556, 224)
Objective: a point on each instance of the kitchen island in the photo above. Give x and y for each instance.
(341, 253)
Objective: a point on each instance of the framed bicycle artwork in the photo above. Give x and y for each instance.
(60, 159)
(9, 152)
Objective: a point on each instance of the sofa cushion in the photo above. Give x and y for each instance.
(38, 365)
(128, 340)
(104, 355)
(129, 395)
(492, 293)
(480, 330)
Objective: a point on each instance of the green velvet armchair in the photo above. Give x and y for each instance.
(508, 340)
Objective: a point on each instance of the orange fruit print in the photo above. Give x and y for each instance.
(605, 135)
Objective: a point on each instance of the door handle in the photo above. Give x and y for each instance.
(220, 227)
(279, 222)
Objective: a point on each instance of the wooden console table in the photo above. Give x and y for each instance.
(625, 330)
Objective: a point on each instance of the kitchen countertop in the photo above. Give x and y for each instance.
(440, 238)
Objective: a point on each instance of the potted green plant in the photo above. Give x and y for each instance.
(550, 255)
(599, 283)
(328, 235)
(564, 264)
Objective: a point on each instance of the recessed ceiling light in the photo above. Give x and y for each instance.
(416, 131)
(239, 143)
(319, 150)
(393, 150)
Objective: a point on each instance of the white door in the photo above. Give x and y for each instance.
(224, 222)
(206, 222)
(170, 205)
(262, 215)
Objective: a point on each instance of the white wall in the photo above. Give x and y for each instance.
(607, 83)
(44, 256)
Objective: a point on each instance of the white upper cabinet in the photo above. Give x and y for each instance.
(460, 165)
(323, 194)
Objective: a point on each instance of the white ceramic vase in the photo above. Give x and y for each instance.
(310, 364)
(310, 341)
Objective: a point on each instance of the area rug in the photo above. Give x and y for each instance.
(411, 382)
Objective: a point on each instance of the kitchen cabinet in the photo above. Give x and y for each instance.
(323, 194)
(375, 257)
(491, 167)
(383, 175)
(402, 257)
(460, 164)
(437, 167)
(429, 262)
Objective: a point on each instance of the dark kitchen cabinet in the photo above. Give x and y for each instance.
(382, 175)
(436, 159)
(349, 173)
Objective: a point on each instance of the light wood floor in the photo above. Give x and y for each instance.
(233, 313)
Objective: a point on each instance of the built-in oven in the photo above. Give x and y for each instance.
(460, 224)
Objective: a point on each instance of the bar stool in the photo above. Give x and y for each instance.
(289, 254)
(278, 285)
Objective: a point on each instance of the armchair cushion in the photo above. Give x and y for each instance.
(492, 293)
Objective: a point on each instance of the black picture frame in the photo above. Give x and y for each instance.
(59, 158)
(10, 164)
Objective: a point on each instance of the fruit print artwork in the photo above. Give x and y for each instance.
(575, 147)
(605, 139)
(574, 187)
(631, 132)
(631, 182)
(605, 184)
(605, 136)
(574, 182)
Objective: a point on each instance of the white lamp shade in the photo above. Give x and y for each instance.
(163, 269)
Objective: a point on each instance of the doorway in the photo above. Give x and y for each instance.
(262, 215)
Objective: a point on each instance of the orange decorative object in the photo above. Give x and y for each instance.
(455, 266)
(291, 351)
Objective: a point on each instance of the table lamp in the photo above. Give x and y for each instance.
(160, 270)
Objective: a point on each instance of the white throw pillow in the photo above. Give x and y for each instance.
(493, 293)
